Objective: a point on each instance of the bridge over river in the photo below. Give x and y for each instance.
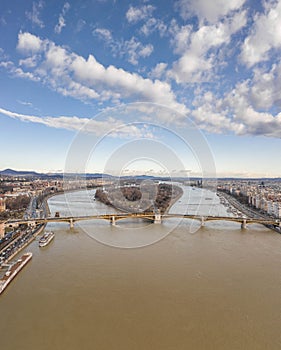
(152, 217)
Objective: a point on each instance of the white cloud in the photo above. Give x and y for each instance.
(210, 11)
(265, 35)
(69, 123)
(7, 64)
(87, 79)
(235, 113)
(27, 75)
(77, 90)
(3, 22)
(73, 75)
(110, 126)
(80, 25)
(34, 15)
(56, 58)
(104, 34)
(244, 110)
(91, 72)
(266, 87)
(25, 103)
(135, 49)
(29, 62)
(144, 14)
(151, 113)
(18, 71)
(181, 37)
(262, 92)
(146, 51)
(196, 48)
(29, 43)
(132, 49)
(159, 70)
(61, 22)
(212, 115)
(151, 25)
(136, 14)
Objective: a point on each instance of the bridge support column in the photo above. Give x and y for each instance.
(202, 221)
(71, 223)
(244, 224)
(112, 221)
(157, 219)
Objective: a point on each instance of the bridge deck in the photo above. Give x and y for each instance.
(149, 216)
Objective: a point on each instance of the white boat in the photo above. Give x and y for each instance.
(46, 238)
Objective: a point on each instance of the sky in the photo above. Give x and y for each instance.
(185, 86)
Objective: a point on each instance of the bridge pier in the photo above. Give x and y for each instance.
(202, 221)
(157, 219)
(112, 221)
(244, 224)
(71, 223)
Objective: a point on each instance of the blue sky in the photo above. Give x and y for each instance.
(67, 65)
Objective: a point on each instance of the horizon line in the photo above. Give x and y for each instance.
(61, 173)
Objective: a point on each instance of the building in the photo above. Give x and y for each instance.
(2, 205)
(2, 230)
(270, 210)
(277, 209)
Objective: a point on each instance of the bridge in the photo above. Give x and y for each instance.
(152, 217)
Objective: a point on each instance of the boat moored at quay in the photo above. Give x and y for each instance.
(14, 270)
(46, 238)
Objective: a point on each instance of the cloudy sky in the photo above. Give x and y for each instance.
(215, 63)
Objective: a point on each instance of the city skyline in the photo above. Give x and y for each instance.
(65, 69)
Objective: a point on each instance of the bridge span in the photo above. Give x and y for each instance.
(152, 217)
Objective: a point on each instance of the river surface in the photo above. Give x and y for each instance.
(214, 287)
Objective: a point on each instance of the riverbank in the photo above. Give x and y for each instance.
(248, 212)
(13, 271)
(36, 232)
(48, 196)
(175, 199)
(241, 207)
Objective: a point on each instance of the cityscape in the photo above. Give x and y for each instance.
(140, 182)
(24, 210)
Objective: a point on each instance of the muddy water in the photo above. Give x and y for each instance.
(216, 288)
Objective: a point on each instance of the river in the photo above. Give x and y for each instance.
(214, 287)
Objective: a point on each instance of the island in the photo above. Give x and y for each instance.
(140, 198)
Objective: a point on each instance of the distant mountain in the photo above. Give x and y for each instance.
(278, 179)
(87, 175)
(138, 177)
(11, 172)
(15, 173)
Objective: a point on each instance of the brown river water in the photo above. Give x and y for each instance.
(215, 288)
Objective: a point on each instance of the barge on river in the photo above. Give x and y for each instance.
(46, 238)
